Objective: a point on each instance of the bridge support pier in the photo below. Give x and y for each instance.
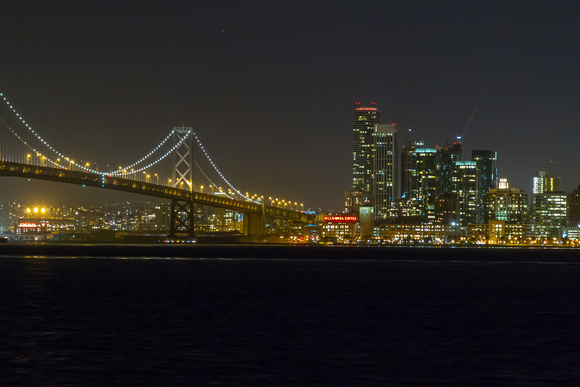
(255, 223)
(182, 216)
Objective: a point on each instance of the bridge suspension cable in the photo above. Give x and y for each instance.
(219, 172)
(123, 170)
(33, 142)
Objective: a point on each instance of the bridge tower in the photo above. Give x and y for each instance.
(182, 211)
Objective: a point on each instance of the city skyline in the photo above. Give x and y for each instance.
(278, 83)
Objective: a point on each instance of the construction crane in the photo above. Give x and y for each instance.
(468, 123)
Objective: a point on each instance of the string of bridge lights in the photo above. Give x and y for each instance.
(43, 141)
(150, 153)
(125, 172)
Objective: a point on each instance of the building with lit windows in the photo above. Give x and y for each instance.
(549, 211)
(352, 201)
(385, 180)
(403, 233)
(419, 170)
(447, 156)
(549, 205)
(543, 181)
(497, 232)
(339, 228)
(487, 178)
(506, 204)
(465, 183)
(365, 120)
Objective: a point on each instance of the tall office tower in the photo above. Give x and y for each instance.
(486, 177)
(365, 120)
(409, 167)
(385, 179)
(465, 184)
(420, 179)
(509, 205)
(545, 182)
(447, 156)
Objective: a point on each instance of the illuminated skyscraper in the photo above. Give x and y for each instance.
(447, 156)
(419, 179)
(375, 165)
(385, 170)
(365, 119)
(465, 185)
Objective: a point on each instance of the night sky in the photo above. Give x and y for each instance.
(270, 86)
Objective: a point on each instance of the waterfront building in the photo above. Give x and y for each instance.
(339, 228)
(405, 233)
(498, 232)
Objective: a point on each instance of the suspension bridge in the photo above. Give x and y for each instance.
(178, 169)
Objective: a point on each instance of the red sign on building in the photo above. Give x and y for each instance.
(340, 219)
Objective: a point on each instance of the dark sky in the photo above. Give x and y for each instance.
(269, 86)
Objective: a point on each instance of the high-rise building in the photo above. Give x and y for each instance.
(409, 167)
(447, 156)
(385, 170)
(486, 177)
(465, 183)
(375, 170)
(365, 120)
(419, 167)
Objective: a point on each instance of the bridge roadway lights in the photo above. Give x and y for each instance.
(182, 219)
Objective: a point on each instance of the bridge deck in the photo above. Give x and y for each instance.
(150, 189)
